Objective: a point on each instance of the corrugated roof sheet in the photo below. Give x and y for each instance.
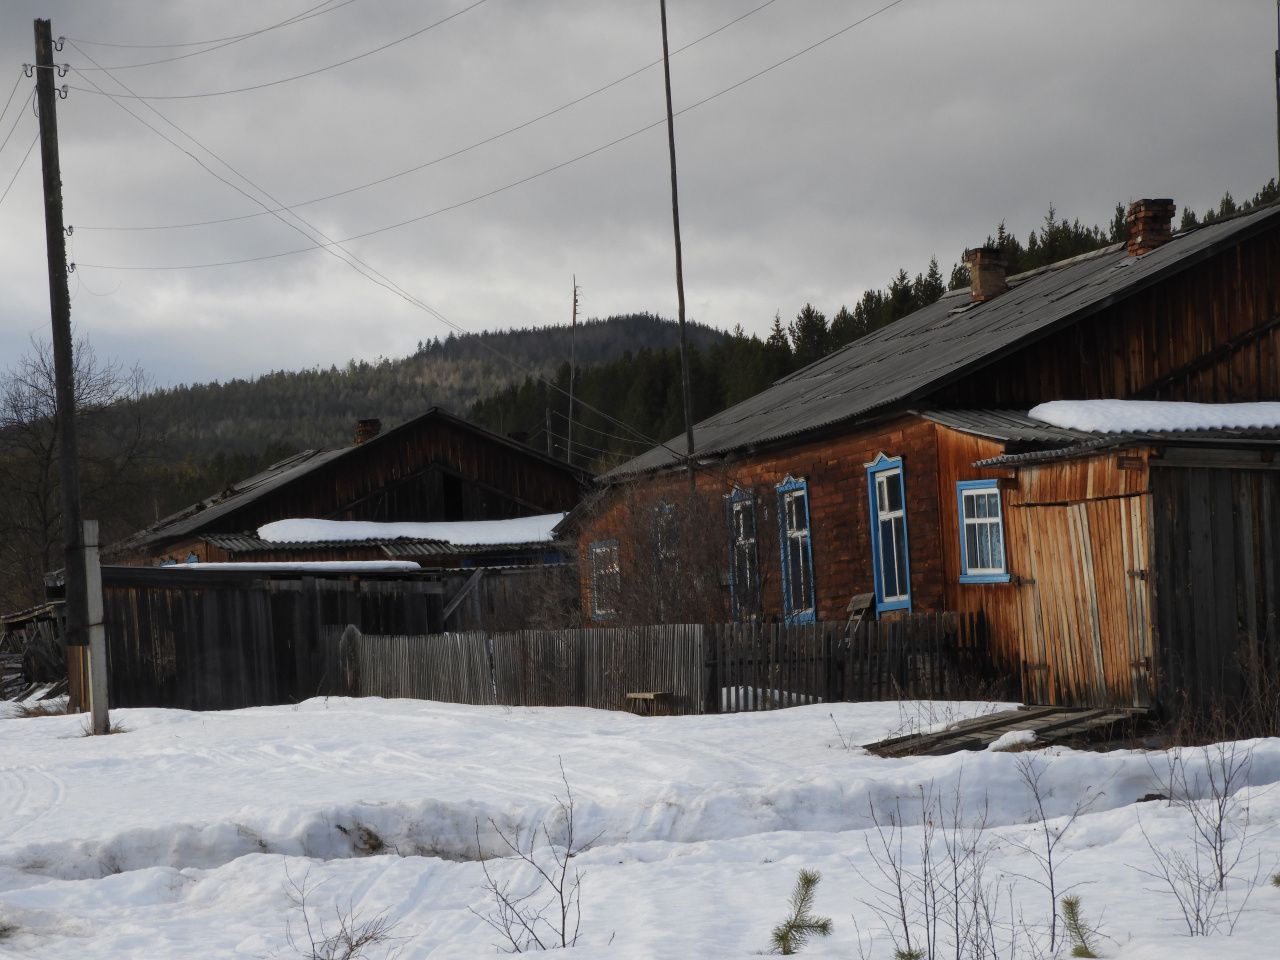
(1098, 442)
(243, 543)
(1009, 426)
(923, 351)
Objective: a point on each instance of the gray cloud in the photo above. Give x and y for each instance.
(910, 136)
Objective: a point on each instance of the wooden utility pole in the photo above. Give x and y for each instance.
(76, 630)
(573, 365)
(63, 365)
(675, 221)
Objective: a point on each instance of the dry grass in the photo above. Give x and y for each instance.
(112, 727)
(41, 709)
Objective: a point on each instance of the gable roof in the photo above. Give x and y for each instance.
(191, 520)
(937, 344)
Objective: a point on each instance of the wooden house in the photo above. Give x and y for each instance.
(433, 468)
(905, 467)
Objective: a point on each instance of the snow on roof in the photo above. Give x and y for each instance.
(463, 532)
(1132, 416)
(330, 566)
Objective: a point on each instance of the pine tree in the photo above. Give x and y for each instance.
(810, 338)
(794, 932)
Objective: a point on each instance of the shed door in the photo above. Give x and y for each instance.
(1086, 627)
(1216, 581)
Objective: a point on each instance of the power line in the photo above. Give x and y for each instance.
(14, 126)
(578, 422)
(19, 170)
(455, 153)
(497, 190)
(270, 83)
(351, 260)
(305, 15)
(308, 14)
(9, 99)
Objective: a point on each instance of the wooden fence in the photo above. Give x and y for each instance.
(720, 668)
(215, 640)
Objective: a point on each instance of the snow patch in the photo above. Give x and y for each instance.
(1126, 416)
(1012, 740)
(464, 532)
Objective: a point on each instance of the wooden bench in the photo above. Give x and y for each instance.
(648, 702)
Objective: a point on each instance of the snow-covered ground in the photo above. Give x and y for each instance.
(180, 837)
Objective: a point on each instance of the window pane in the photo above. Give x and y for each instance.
(893, 484)
(984, 545)
(997, 546)
(888, 569)
(969, 508)
(900, 553)
(970, 546)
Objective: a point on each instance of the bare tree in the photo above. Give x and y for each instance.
(114, 445)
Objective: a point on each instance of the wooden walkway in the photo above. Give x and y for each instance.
(1050, 725)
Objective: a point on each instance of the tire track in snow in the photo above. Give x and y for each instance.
(38, 793)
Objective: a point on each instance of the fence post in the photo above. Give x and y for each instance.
(100, 722)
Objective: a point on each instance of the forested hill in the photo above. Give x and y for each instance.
(284, 411)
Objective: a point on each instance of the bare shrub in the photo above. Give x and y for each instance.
(938, 899)
(346, 937)
(1213, 872)
(545, 912)
(55, 708)
(802, 923)
(1044, 847)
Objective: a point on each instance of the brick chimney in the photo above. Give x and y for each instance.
(1150, 225)
(986, 273)
(367, 429)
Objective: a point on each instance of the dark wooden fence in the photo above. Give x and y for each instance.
(724, 668)
(212, 640)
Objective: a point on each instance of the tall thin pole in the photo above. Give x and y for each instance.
(675, 222)
(573, 366)
(1278, 88)
(77, 612)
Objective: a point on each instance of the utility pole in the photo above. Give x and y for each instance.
(675, 221)
(573, 363)
(60, 309)
(74, 565)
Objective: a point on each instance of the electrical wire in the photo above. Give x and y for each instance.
(495, 191)
(572, 444)
(9, 99)
(269, 83)
(351, 260)
(14, 126)
(14, 178)
(455, 153)
(308, 14)
(578, 423)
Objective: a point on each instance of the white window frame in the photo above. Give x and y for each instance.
(970, 491)
(604, 564)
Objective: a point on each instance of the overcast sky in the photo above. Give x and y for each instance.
(908, 136)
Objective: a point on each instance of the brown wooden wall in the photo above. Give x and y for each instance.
(835, 469)
(1216, 583)
(1158, 344)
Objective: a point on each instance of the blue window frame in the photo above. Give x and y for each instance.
(744, 557)
(606, 579)
(890, 557)
(797, 551)
(981, 518)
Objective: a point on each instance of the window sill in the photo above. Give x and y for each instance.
(807, 616)
(883, 605)
(985, 578)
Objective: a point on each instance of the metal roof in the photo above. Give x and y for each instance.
(1009, 426)
(924, 351)
(391, 546)
(192, 519)
(1098, 442)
